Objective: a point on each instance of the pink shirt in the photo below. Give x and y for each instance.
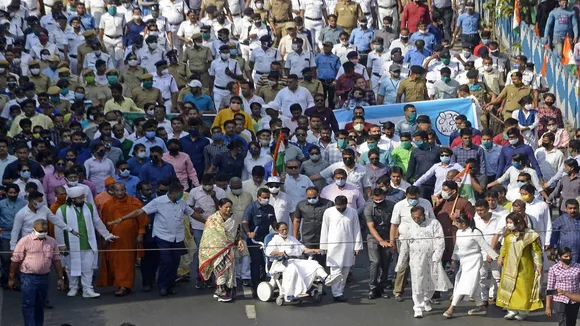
(50, 182)
(34, 255)
(183, 168)
(352, 193)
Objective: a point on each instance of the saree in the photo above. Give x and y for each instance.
(519, 288)
(216, 250)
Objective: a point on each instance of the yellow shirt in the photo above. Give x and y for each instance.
(38, 119)
(126, 106)
(227, 114)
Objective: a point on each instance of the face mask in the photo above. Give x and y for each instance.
(133, 63)
(528, 107)
(25, 175)
(112, 79)
(90, 79)
(445, 195)
(521, 183)
(372, 145)
(236, 192)
(263, 201)
(358, 127)
(98, 53)
(513, 141)
(40, 235)
(527, 198)
(294, 47)
(342, 143)
(446, 61)
(412, 117)
(420, 144)
(566, 261)
(345, 43)
(173, 151)
(445, 159)
(35, 71)
(413, 202)
(147, 84)
(141, 154)
(510, 226)
(313, 201)
(217, 137)
(446, 79)
(165, 72)
(348, 161)
(546, 145)
(194, 133)
(136, 17)
(517, 165)
(486, 144)
(548, 103)
(79, 96)
(205, 35)
(124, 173)
(553, 128)
(152, 46)
(179, 196)
(225, 56)
(161, 193)
(486, 41)
(150, 134)
(154, 159)
(308, 78)
(466, 54)
(487, 68)
(44, 57)
(362, 25)
(259, 5)
(475, 87)
(404, 38)
(340, 182)
(207, 188)
(112, 11)
(354, 61)
(254, 151)
(38, 205)
(55, 99)
(274, 190)
(406, 144)
(378, 47)
(516, 66)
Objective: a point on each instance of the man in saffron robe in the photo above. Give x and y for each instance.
(118, 266)
(60, 195)
(105, 196)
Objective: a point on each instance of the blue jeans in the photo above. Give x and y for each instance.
(168, 263)
(195, 263)
(34, 289)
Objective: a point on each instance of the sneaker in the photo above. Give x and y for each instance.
(510, 316)
(521, 317)
(427, 307)
(418, 314)
(90, 294)
(398, 298)
(198, 284)
(72, 292)
(224, 298)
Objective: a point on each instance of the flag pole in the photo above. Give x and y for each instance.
(467, 170)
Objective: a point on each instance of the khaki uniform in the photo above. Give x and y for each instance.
(130, 78)
(4, 99)
(218, 3)
(142, 96)
(314, 86)
(512, 95)
(98, 94)
(414, 90)
(180, 72)
(4, 79)
(74, 82)
(263, 14)
(281, 13)
(268, 93)
(483, 96)
(197, 61)
(41, 81)
(63, 106)
(243, 66)
(348, 14)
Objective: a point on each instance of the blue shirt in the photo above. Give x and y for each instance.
(361, 39)
(505, 158)
(561, 22)
(385, 158)
(82, 155)
(202, 103)
(415, 57)
(148, 144)
(388, 90)
(327, 66)
(565, 234)
(195, 151)
(437, 32)
(428, 38)
(135, 166)
(491, 158)
(134, 30)
(259, 219)
(130, 184)
(51, 74)
(469, 23)
(228, 140)
(87, 22)
(305, 148)
(153, 173)
(8, 211)
(229, 165)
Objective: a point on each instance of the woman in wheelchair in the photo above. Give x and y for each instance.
(298, 275)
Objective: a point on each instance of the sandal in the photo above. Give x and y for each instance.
(121, 292)
(448, 314)
(477, 312)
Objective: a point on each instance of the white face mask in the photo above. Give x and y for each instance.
(237, 192)
(358, 127)
(466, 54)
(274, 190)
(225, 56)
(165, 72)
(264, 202)
(136, 17)
(35, 71)
(40, 235)
(513, 141)
(487, 68)
(44, 57)
(294, 47)
(552, 128)
(445, 195)
(510, 226)
(259, 5)
(528, 107)
(133, 63)
(72, 183)
(153, 46)
(38, 205)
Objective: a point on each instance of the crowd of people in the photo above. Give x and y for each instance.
(107, 135)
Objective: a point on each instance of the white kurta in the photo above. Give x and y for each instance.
(468, 246)
(299, 274)
(281, 204)
(341, 236)
(422, 246)
(93, 222)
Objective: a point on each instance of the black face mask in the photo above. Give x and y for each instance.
(79, 204)
(545, 145)
(161, 193)
(348, 161)
(173, 151)
(154, 159)
(566, 261)
(12, 198)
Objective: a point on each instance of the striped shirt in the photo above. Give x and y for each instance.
(263, 81)
(35, 255)
(567, 279)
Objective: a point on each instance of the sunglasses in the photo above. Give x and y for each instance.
(319, 100)
(312, 197)
(292, 167)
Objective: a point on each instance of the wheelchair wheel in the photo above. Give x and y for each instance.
(265, 291)
(280, 300)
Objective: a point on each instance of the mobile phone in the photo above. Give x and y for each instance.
(551, 292)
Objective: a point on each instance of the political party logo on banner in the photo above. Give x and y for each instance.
(441, 112)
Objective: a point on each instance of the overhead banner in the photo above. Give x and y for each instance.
(441, 112)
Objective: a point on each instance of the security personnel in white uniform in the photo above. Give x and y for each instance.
(163, 30)
(74, 38)
(222, 71)
(388, 8)
(111, 29)
(92, 57)
(262, 57)
(299, 59)
(252, 30)
(163, 81)
(314, 13)
(150, 54)
(187, 29)
(174, 11)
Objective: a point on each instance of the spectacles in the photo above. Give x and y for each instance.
(292, 167)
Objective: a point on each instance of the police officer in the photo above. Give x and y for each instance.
(174, 11)
(41, 81)
(162, 23)
(377, 212)
(281, 13)
(222, 71)
(163, 81)
(314, 86)
(348, 13)
(146, 93)
(91, 58)
(261, 58)
(111, 29)
(198, 58)
(150, 54)
(86, 47)
(177, 69)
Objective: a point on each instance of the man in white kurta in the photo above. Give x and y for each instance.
(280, 201)
(82, 259)
(421, 247)
(299, 274)
(342, 240)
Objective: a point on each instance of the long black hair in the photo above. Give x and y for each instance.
(467, 219)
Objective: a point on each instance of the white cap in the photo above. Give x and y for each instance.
(75, 192)
(195, 83)
(272, 105)
(274, 179)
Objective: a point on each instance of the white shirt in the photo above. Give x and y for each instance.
(359, 69)
(296, 188)
(48, 22)
(250, 162)
(404, 47)
(402, 186)
(342, 51)
(282, 207)
(38, 47)
(402, 213)
(539, 213)
(74, 41)
(285, 98)
(355, 176)
(440, 173)
(187, 29)
(24, 222)
(167, 85)
(256, 99)
(198, 198)
(512, 173)
(313, 8)
(262, 59)
(168, 224)
(550, 162)
(112, 26)
(174, 11)
(297, 62)
(22, 185)
(91, 61)
(217, 70)
(495, 225)
(148, 58)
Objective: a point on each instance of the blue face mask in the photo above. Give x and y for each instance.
(412, 117)
(340, 182)
(217, 137)
(516, 66)
(124, 173)
(194, 133)
(486, 144)
(420, 144)
(25, 174)
(445, 159)
(517, 165)
(413, 202)
(521, 183)
(79, 96)
(475, 87)
(342, 143)
(112, 10)
(150, 134)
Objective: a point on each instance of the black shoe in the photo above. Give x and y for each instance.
(350, 277)
(436, 295)
(398, 298)
(199, 284)
(385, 294)
(47, 305)
(224, 298)
(389, 286)
(147, 288)
(247, 283)
(372, 295)
(163, 292)
(340, 299)
(171, 291)
(208, 284)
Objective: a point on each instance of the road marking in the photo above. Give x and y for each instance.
(247, 292)
(251, 311)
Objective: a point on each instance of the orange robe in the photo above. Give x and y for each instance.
(101, 199)
(118, 267)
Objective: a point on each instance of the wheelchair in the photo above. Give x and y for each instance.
(268, 289)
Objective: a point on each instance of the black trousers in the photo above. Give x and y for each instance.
(380, 261)
(566, 313)
(328, 89)
(149, 263)
(257, 266)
